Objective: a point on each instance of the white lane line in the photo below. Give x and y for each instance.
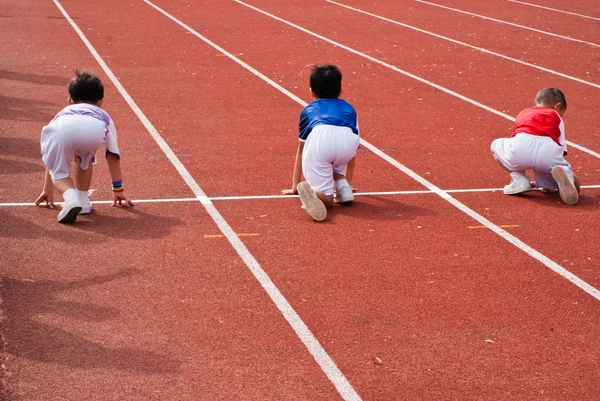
(394, 68)
(554, 9)
(560, 74)
(441, 193)
(306, 336)
(254, 197)
(509, 23)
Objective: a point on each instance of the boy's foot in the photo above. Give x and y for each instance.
(86, 206)
(566, 189)
(69, 212)
(344, 194)
(520, 183)
(311, 203)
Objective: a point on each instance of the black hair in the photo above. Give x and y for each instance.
(550, 97)
(326, 81)
(85, 87)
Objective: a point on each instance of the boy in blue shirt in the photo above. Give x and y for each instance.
(329, 139)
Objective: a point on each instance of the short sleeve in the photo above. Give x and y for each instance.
(304, 127)
(110, 144)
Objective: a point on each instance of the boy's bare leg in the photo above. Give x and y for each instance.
(83, 178)
(343, 188)
(63, 185)
(350, 170)
(577, 183)
(326, 199)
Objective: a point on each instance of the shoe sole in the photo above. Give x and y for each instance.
(566, 189)
(311, 203)
(70, 216)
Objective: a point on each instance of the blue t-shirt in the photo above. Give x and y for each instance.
(337, 112)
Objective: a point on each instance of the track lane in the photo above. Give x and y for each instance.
(592, 11)
(34, 88)
(410, 287)
(177, 317)
(573, 211)
(528, 17)
(274, 220)
(373, 378)
(117, 311)
(457, 68)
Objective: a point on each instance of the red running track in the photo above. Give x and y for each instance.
(452, 311)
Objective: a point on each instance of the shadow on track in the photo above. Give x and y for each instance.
(131, 223)
(29, 305)
(385, 208)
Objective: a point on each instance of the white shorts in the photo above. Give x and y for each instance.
(538, 153)
(68, 136)
(327, 150)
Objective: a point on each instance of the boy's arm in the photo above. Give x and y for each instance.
(297, 171)
(562, 139)
(114, 166)
(47, 194)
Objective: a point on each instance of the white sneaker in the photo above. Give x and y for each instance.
(519, 184)
(344, 194)
(69, 211)
(86, 205)
(311, 203)
(566, 189)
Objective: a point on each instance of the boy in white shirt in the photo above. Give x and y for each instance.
(75, 134)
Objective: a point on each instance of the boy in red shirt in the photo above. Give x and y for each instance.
(538, 143)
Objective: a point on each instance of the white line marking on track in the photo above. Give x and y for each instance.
(508, 23)
(302, 331)
(443, 194)
(554, 9)
(253, 197)
(401, 71)
(560, 74)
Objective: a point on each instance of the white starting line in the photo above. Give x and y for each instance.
(252, 197)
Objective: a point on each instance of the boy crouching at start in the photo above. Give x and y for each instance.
(75, 134)
(538, 143)
(329, 139)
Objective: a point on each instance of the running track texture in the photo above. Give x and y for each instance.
(433, 285)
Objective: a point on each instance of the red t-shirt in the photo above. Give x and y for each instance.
(540, 121)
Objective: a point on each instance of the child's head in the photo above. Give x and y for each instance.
(553, 98)
(326, 81)
(85, 87)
